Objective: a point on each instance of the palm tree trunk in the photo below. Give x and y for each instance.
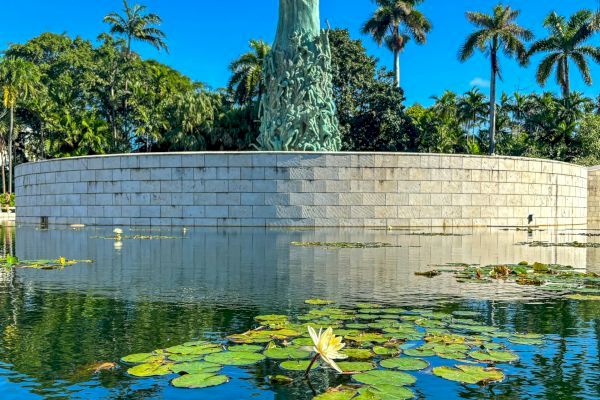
(10, 143)
(493, 105)
(43, 143)
(397, 67)
(3, 173)
(567, 83)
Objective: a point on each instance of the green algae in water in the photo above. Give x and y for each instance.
(318, 302)
(344, 245)
(11, 261)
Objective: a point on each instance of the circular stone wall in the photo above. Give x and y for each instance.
(301, 189)
(594, 196)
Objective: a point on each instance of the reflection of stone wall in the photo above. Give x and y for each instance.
(594, 196)
(301, 189)
(260, 267)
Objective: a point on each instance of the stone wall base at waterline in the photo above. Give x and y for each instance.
(302, 189)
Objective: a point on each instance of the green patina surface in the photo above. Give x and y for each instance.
(297, 109)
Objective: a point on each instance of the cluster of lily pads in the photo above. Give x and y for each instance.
(11, 261)
(136, 237)
(344, 245)
(576, 244)
(561, 279)
(385, 350)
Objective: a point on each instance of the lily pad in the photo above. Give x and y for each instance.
(494, 356)
(582, 297)
(201, 380)
(194, 350)
(297, 365)
(383, 377)
(146, 370)
(404, 364)
(469, 374)
(339, 393)
(356, 366)
(235, 358)
(367, 337)
(359, 354)
(303, 341)
(249, 348)
(184, 357)
(386, 351)
(284, 353)
(385, 392)
(195, 367)
(418, 352)
(318, 302)
(271, 318)
(141, 358)
(525, 341)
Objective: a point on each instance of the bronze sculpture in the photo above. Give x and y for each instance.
(297, 109)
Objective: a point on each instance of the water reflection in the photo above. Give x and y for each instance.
(155, 293)
(261, 267)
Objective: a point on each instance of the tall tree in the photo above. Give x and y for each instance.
(395, 22)
(246, 83)
(567, 43)
(497, 32)
(136, 24)
(19, 79)
(472, 108)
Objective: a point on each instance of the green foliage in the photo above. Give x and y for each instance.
(495, 33)
(395, 23)
(246, 82)
(369, 107)
(64, 96)
(565, 45)
(7, 200)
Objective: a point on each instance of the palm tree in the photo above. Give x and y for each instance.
(472, 108)
(395, 22)
(18, 79)
(497, 32)
(136, 24)
(565, 43)
(246, 83)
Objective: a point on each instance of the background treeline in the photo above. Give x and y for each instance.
(66, 96)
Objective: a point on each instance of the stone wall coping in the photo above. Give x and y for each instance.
(308, 153)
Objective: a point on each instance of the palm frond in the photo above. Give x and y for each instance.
(591, 51)
(474, 40)
(480, 19)
(544, 45)
(545, 68)
(583, 67)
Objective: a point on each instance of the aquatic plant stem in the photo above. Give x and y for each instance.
(314, 360)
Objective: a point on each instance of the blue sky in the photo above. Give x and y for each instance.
(205, 35)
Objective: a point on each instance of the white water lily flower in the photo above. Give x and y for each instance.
(327, 346)
(118, 231)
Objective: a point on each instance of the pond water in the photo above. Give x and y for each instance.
(208, 283)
